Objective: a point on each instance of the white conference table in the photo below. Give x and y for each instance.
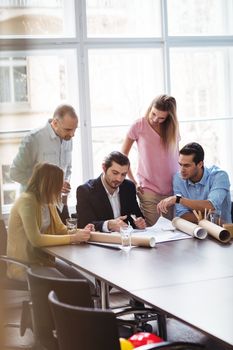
(190, 280)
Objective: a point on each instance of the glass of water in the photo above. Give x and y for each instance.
(126, 232)
(71, 223)
(215, 217)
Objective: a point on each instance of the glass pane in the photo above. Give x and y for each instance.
(205, 90)
(8, 187)
(76, 175)
(123, 18)
(6, 174)
(9, 196)
(200, 17)
(46, 18)
(20, 84)
(123, 83)
(106, 140)
(5, 91)
(215, 137)
(8, 148)
(52, 81)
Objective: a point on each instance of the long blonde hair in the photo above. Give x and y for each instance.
(169, 129)
(46, 183)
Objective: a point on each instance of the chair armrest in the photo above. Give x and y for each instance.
(14, 261)
(134, 310)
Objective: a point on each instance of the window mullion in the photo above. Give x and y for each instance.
(84, 98)
(166, 56)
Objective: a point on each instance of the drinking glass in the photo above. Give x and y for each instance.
(215, 217)
(71, 223)
(126, 232)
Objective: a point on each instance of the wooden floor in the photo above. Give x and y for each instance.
(176, 330)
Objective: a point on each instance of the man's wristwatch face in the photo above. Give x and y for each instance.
(178, 198)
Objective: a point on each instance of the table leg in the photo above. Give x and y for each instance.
(104, 292)
(162, 326)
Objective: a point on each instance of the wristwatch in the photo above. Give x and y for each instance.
(178, 198)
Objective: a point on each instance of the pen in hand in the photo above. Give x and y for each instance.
(138, 221)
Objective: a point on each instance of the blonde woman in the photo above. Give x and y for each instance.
(157, 138)
(34, 223)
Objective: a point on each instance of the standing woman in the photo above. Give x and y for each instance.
(35, 223)
(157, 138)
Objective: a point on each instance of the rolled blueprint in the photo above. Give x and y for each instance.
(140, 241)
(216, 231)
(189, 228)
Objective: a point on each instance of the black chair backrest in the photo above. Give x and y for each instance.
(84, 328)
(73, 291)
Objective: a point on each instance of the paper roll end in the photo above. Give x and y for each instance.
(224, 236)
(174, 220)
(200, 233)
(152, 242)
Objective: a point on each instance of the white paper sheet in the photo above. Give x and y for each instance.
(162, 231)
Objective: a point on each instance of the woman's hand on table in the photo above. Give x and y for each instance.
(82, 235)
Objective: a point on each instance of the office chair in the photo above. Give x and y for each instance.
(16, 286)
(94, 329)
(11, 284)
(6, 282)
(74, 291)
(26, 321)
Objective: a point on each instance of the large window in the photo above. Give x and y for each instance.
(31, 89)
(121, 82)
(206, 72)
(110, 59)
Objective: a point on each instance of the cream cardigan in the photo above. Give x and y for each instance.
(24, 236)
